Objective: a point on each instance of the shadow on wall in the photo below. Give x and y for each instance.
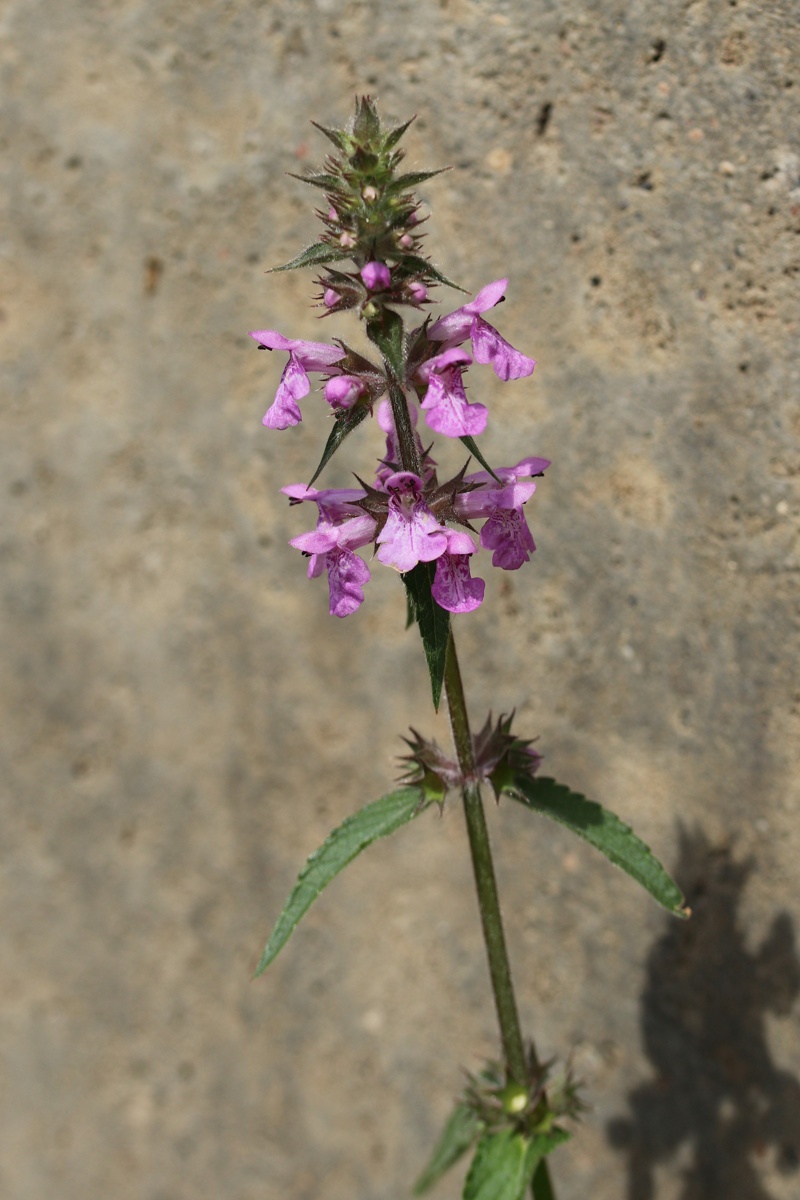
(718, 1098)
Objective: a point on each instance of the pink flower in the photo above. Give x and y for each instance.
(447, 409)
(294, 384)
(343, 390)
(411, 533)
(376, 276)
(453, 587)
(506, 530)
(488, 346)
(341, 529)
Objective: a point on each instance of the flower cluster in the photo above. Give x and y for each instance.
(371, 217)
(409, 518)
(436, 371)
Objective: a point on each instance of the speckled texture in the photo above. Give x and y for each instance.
(183, 723)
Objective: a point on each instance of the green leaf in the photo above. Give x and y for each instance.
(472, 446)
(328, 183)
(403, 182)
(462, 1129)
(345, 421)
(378, 819)
(386, 332)
(392, 137)
(604, 831)
(312, 256)
(339, 137)
(433, 621)
(414, 262)
(367, 124)
(502, 1168)
(542, 1187)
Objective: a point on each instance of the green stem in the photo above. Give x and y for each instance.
(409, 455)
(485, 882)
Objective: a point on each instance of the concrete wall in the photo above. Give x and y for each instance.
(183, 723)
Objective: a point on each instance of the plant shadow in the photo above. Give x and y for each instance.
(717, 1097)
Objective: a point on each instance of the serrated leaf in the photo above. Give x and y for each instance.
(603, 830)
(312, 256)
(472, 446)
(377, 820)
(386, 332)
(345, 421)
(502, 1168)
(463, 1127)
(433, 621)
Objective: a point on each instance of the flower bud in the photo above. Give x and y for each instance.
(406, 241)
(343, 390)
(370, 193)
(347, 241)
(376, 276)
(417, 291)
(331, 298)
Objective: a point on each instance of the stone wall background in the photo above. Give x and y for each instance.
(182, 721)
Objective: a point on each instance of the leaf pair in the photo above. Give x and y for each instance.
(588, 820)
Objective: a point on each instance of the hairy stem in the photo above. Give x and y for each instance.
(485, 882)
(409, 455)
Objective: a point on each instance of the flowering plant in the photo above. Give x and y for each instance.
(513, 1113)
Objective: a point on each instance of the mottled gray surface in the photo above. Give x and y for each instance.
(183, 722)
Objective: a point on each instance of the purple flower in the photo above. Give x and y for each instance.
(447, 409)
(376, 276)
(341, 529)
(411, 533)
(453, 586)
(343, 390)
(466, 323)
(505, 531)
(294, 384)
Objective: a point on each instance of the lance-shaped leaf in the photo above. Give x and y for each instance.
(603, 830)
(506, 1162)
(328, 183)
(386, 332)
(377, 820)
(339, 137)
(463, 1128)
(433, 621)
(346, 420)
(472, 446)
(402, 183)
(312, 256)
(502, 1168)
(414, 263)
(392, 137)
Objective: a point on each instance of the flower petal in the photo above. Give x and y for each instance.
(447, 409)
(506, 533)
(294, 385)
(346, 574)
(489, 347)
